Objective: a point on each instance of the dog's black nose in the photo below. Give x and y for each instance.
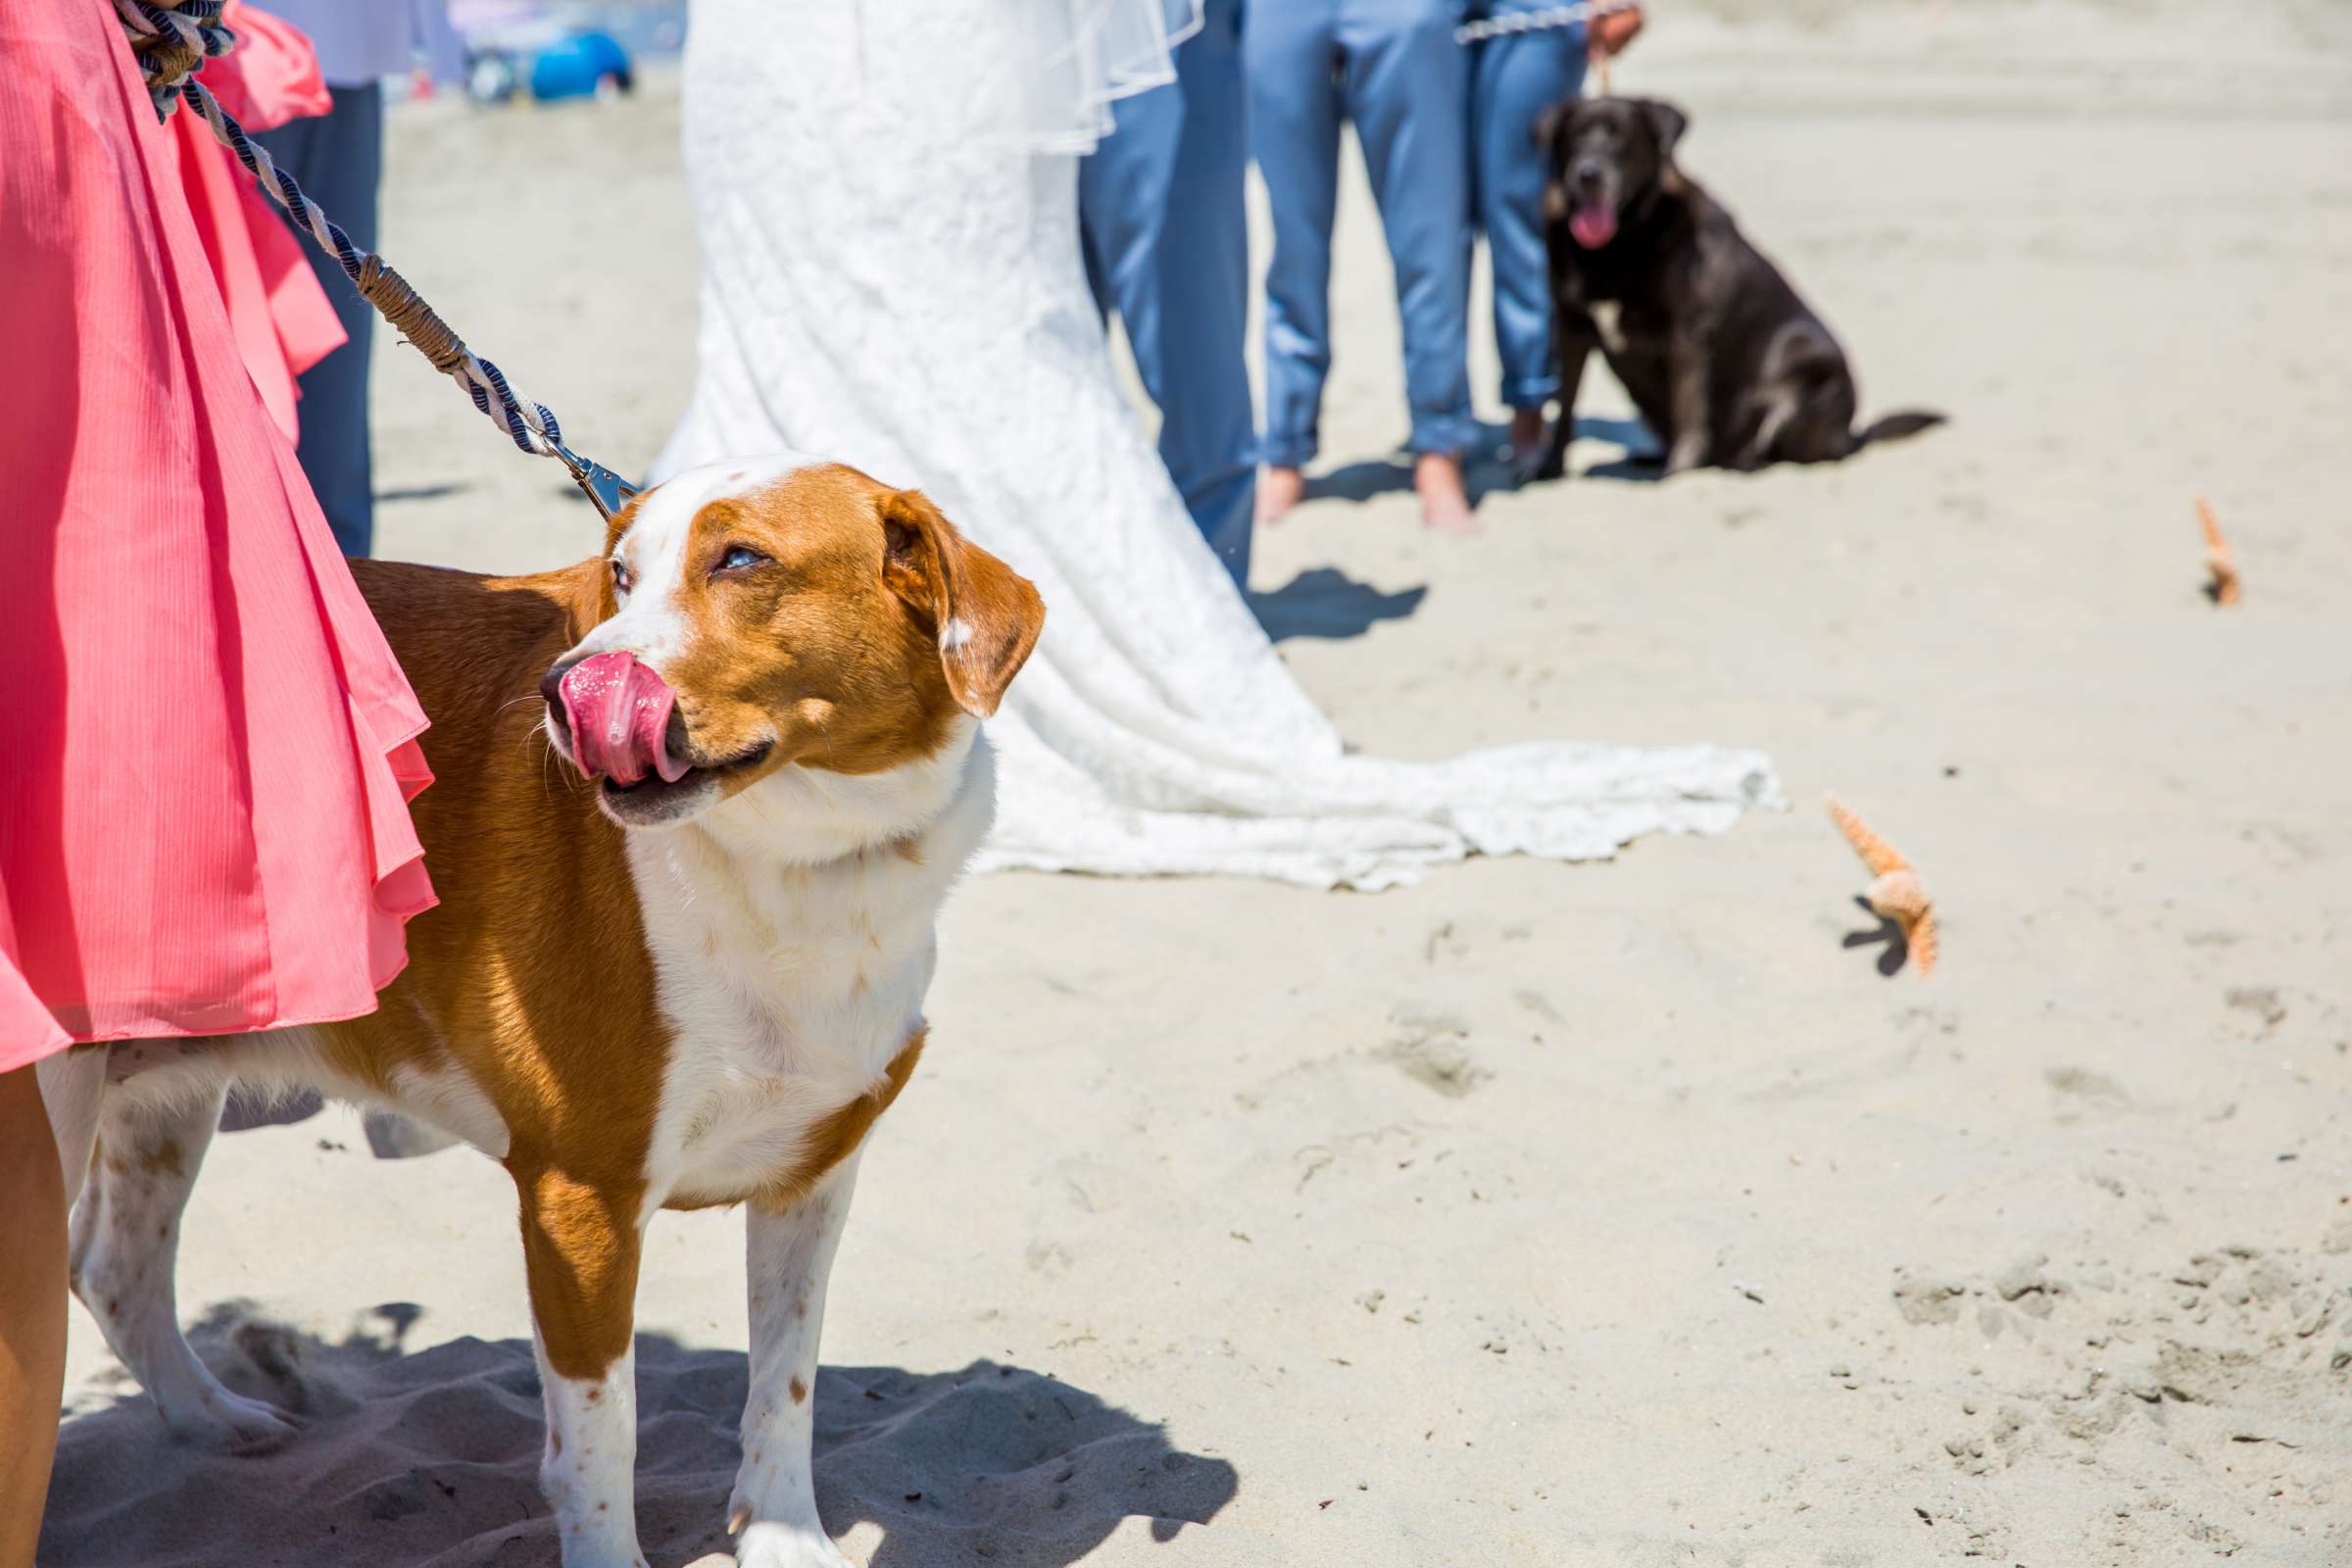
(1586, 176)
(551, 687)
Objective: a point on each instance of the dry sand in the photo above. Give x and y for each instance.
(1614, 1214)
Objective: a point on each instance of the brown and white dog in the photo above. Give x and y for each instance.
(692, 976)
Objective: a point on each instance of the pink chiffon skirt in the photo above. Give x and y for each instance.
(206, 747)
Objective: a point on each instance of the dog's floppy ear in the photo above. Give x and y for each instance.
(1666, 123)
(1550, 132)
(1545, 132)
(985, 614)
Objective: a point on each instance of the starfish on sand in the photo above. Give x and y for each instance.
(2221, 565)
(1896, 893)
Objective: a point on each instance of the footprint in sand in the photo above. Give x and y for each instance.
(1432, 1050)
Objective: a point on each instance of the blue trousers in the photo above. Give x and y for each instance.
(1515, 77)
(338, 159)
(1167, 246)
(1393, 66)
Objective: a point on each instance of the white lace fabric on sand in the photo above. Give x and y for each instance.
(887, 281)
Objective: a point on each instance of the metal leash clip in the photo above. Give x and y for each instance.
(607, 490)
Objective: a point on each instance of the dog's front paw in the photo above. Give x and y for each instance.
(774, 1546)
(228, 1423)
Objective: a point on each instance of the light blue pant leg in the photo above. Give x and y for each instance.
(1517, 77)
(1209, 438)
(1406, 82)
(1123, 205)
(1167, 241)
(1290, 60)
(1408, 92)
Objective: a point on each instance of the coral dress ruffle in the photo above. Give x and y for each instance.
(206, 747)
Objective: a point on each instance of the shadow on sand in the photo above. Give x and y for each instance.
(1325, 602)
(431, 1457)
(1643, 460)
(1486, 471)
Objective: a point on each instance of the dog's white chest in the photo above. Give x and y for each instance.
(1608, 316)
(789, 987)
(787, 1001)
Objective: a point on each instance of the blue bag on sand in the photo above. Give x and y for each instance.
(578, 66)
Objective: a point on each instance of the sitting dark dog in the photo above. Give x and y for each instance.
(1726, 363)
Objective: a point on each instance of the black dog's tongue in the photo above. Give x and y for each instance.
(1594, 225)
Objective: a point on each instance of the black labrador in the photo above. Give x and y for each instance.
(1728, 366)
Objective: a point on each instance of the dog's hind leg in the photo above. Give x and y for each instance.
(1764, 422)
(125, 1248)
(1820, 425)
(74, 1093)
(1822, 429)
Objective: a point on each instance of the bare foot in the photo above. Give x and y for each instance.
(1525, 443)
(1445, 504)
(1278, 491)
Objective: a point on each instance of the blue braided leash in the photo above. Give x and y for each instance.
(172, 41)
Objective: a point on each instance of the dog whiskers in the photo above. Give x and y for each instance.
(547, 754)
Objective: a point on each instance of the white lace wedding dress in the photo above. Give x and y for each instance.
(891, 276)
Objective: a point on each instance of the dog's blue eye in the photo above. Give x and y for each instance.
(620, 576)
(739, 556)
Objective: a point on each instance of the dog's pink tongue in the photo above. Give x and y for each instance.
(619, 711)
(1592, 226)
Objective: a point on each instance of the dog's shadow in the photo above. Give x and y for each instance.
(1634, 468)
(431, 1457)
(1898, 950)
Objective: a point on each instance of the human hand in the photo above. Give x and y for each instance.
(1607, 35)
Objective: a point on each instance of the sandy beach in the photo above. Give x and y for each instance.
(1623, 1213)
